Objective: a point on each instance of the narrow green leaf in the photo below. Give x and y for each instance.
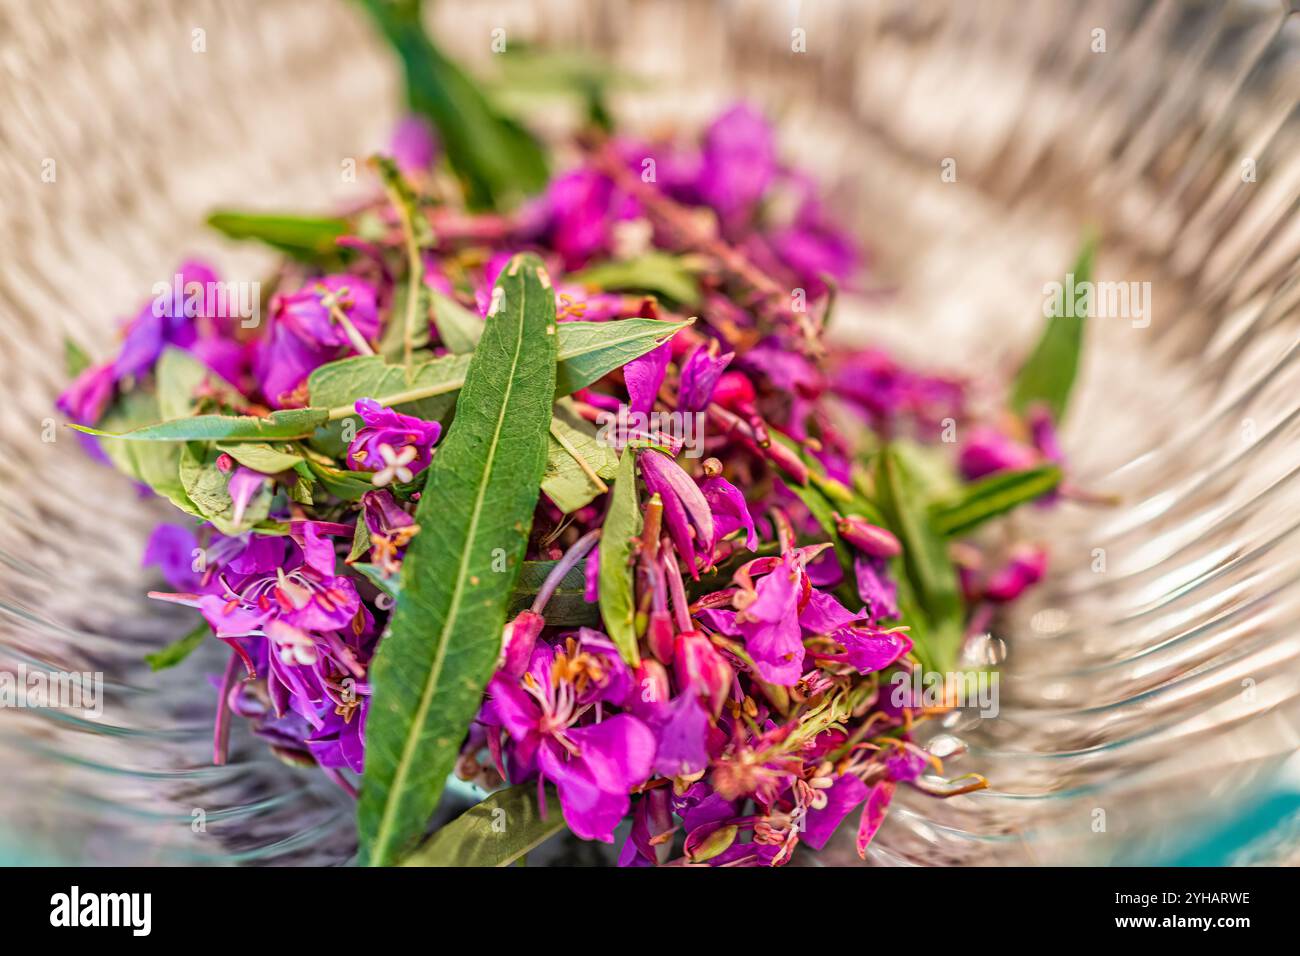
(475, 514)
(304, 237)
(340, 482)
(178, 650)
(574, 455)
(929, 570)
(568, 606)
(360, 540)
(591, 350)
(1048, 374)
(992, 496)
(496, 832)
(621, 527)
(656, 272)
(261, 456)
(497, 161)
(432, 387)
(289, 423)
(586, 352)
(459, 328)
(390, 586)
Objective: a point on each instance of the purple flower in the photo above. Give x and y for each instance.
(340, 740)
(582, 206)
(393, 445)
(414, 145)
(701, 669)
(644, 375)
(700, 374)
(309, 328)
(730, 511)
(680, 737)
(835, 803)
(769, 623)
(987, 451)
(737, 163)
(286, 592)
(173, 548)
(172, 318)
(869, 649)
(593, 766)
(85, 399)
(1026, 568)
(244, 485)
(878, 591)
(390, 527)
(686, 511)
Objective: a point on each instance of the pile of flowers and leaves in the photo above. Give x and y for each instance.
(565, 494)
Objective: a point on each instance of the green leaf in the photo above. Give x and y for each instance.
(568, 606)
(929, 571)
(992, 496)
(179, 375)
(390, 586)
(475, 514)
(155, 464)
(207, 486)
(656, 272)
(433, 384)
(1048, 374)
(360, 540)
(497, 161)
(305, 237)
(574, 454)
(586, 352)
(289, 423)
(178, 650)
(622, 526)
(392, 338)
(496, 832)
(591, 350)
(75, 359)
(458, 327)
(261, 456)
(340, 482)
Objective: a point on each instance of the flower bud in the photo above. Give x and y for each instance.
(868, 538)
(659, 635)
(703, 844)
(518, 641)
(698, 665)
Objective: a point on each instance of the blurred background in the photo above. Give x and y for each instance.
(1150, 695)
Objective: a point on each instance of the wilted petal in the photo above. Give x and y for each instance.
(846, 793)
(823, 614)
(681, 738)
(730, 511)
(869, 649)
(873, 814)
(700, 374)
(879, 592)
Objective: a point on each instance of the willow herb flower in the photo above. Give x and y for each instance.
(394, 445)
